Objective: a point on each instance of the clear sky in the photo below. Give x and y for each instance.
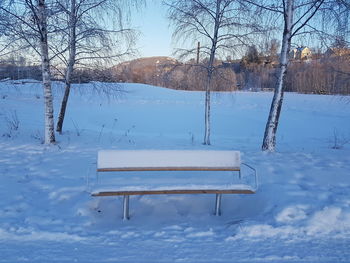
(155, 33)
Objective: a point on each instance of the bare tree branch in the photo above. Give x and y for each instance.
(220, 24)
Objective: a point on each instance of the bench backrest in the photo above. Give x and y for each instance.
(168, 160)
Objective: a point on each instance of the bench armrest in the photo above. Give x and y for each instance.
(255, 175)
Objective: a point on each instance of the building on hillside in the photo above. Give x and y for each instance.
(301, 53)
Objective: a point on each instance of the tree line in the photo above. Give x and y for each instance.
(255, 71)
(323, 73)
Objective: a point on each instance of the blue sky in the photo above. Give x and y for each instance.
(155, 34)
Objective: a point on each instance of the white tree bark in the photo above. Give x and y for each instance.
(210, 73)
(269, 142)
(45, 66)
(207, 112)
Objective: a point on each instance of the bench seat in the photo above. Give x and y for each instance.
(174, 191)
(167, 160)
(196, 167)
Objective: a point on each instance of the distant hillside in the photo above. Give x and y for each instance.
(144, 70)
(169, 72)
(147, 62)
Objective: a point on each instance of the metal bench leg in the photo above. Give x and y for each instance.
(218, 205)
(126, 207)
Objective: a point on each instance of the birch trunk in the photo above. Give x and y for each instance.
(70, 66)
(207, 111)
(210, 74)
(269, 141)
(45, 67)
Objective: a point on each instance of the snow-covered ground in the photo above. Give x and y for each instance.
(301, 212)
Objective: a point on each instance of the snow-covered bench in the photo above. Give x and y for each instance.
(132, 169)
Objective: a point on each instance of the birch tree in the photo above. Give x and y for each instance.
(93, 31)
(72, 23)
(27, 22)
(296, 16)
(220, 25)
(40, 17)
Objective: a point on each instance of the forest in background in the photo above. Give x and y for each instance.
(327, 73)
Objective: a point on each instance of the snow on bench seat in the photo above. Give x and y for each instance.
(192, 165)
(173, 172)
(163, 160)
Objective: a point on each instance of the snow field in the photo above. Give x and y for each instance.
(301, 212)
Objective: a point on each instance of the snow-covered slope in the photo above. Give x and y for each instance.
(301, 212)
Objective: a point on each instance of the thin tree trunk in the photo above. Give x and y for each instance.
(63, 108)
(207, 111)
(210, 74)
(70, 66)
(269, 141)
(198, 50)
(45, 66)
